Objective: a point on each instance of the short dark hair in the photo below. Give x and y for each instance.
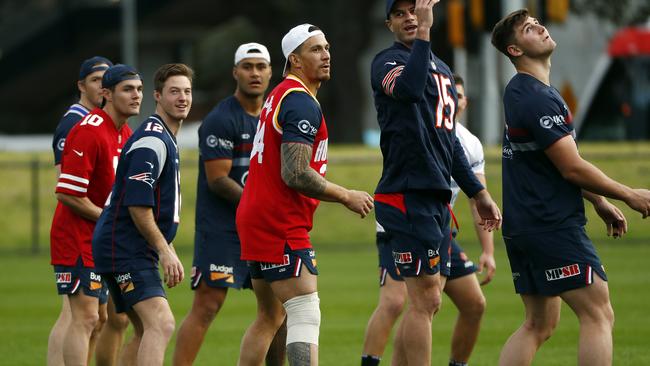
(164, 72)
(503, 33)
(458, 80)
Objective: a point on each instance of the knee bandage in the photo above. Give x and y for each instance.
(303, 318)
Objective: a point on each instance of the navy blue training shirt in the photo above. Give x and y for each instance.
(227, 132)
(70, 118)
(147, 175)
(416, 102)
(536, 197)
(301, 118)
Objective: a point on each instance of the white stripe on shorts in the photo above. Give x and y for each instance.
(296, 272)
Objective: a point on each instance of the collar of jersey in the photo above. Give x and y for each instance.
(159, 119)
(295, 78)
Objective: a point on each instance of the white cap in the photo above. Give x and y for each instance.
(252, 50)
(295, 37)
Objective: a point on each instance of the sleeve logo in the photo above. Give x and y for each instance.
(211, 140)
(548, 121)
(144, 177)
(60, 144)
(305, 127)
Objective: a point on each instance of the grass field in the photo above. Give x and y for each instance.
(347, 261)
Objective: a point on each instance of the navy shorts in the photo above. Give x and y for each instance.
(456, 266)
(103, 293)
(458, 263)
(552, 262)
(69, 279)
(129, 288)
(416, 224)
(291, 265)
(217, 261)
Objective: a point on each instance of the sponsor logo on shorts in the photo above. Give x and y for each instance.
(432, 253)
(63, 277)
(403, 258)
(562, 272)
(285, 262)
(515, 276)
(124, 281)
(434, 261)
(221, 272)
(95, 277)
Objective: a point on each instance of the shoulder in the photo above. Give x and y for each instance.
(469, 140)
(76, 110)
(67, 122)
(390, 56)
(299, 101)
(223, 112)
(149, 137)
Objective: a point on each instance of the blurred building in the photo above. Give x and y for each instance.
(42, 43)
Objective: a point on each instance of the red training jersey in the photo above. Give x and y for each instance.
(90, 155)
(270, 213)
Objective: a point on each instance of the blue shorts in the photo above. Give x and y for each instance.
(459, 263)
(129, 288)
(216, 261)
(552, 262)
(416, 224)
(69, 279)
(458, 266)
(289, 268)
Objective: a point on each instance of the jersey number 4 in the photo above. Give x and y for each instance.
(258, 143)
(446, 106)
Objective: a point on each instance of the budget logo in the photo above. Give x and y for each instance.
(563, 272)
(124, 282)
(403, 258)
(63, 277)
(434, 261)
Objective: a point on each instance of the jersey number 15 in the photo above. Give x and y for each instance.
(446, 106)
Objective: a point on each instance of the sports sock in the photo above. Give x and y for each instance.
(457, 363)
(370, 360)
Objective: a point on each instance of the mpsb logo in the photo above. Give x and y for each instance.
(562, 272)
(63, 277)
(285, 262)
(403, 258)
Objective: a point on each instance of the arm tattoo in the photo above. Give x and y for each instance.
(299, 354)
(297, 173)
(226, 188)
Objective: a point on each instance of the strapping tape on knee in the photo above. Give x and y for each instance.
(303, 318)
